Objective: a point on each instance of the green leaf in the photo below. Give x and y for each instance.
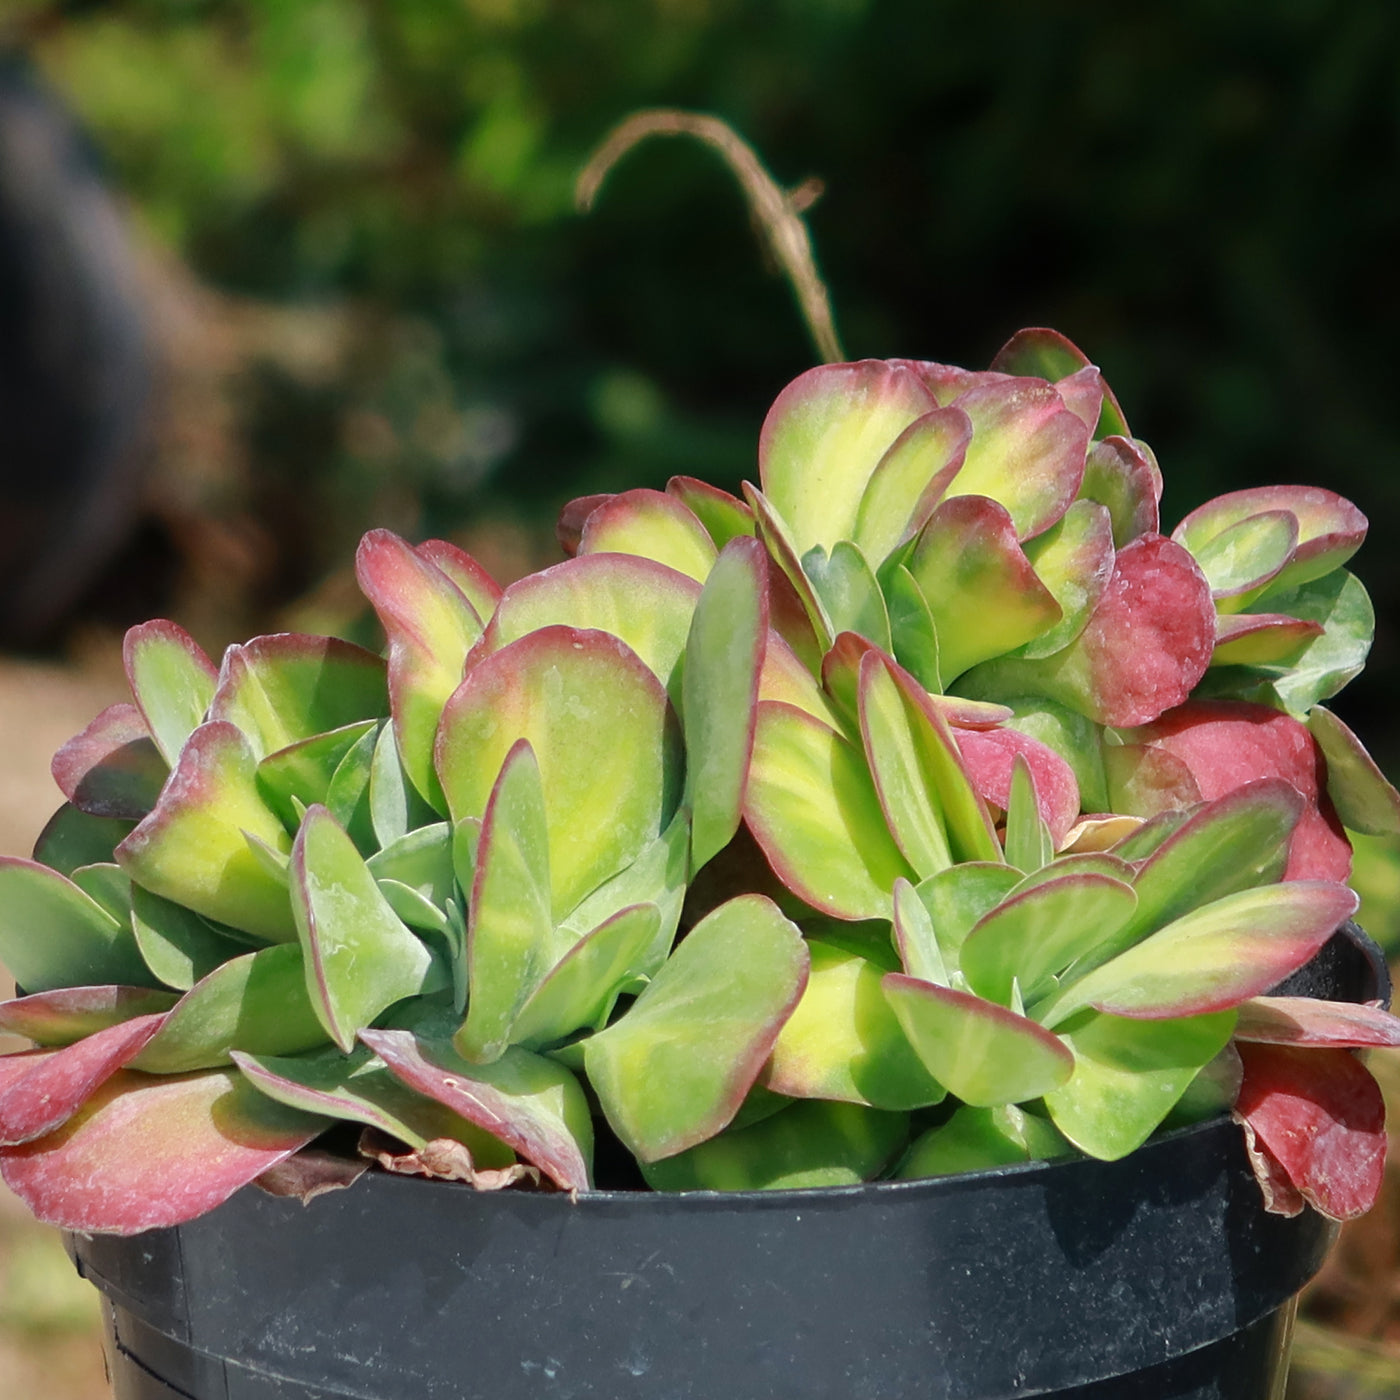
(1241, 560)
(1074, 560)
(919, 950)
(983, 1053)
(844, 1042)
(109, 885)
(178, 946)
(958, 897)
(974, 1139)
(805, 1145)
(1364, 798)
(172, 682)
(359, 956)
(606, 744)
(301, 773)
(784, 553)
(420, 859)
(72, 838)
(723, 661)
(850, 595)
(1128, 1075)
(913, 635)
(347, 796)
(257, 1002)
(509, 944)
(1028, 842)
(811, 805)
(653, 525)
(52, 934)
(193, 848)
(68, 1014)
(674, 1069)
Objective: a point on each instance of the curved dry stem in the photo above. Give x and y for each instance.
(776, 211)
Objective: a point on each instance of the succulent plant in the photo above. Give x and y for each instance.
(926, 810)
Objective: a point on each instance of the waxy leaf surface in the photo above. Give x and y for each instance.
(71, 839)
(67, 1014)
(1261, 639)
(1074, 561)
(1364, 798)
(172, 682)
(654, 525)
(1119, 476)
(294, 778)
(113, 768)
(178, 946)
(1047, 354)
(1308, 1021)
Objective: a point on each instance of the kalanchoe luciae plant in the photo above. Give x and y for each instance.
(876, 825)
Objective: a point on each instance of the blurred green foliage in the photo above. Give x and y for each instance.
(1203, 194)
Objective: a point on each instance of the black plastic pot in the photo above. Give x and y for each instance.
(1159, 1277)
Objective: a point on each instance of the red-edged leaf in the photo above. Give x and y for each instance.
(144, 1153)
(725, 517)
(1261, 639)
(530, 1103)
(473, 582)
(783, 551)
(58, 1084)
(1047, 354)
(1321, 1116)
(1119, 475)
(60, 1017)
(113, 768)
(1364, 797)
(1307, 1021)
(989, 754)
(653, 525)
(172, 682)
(568, 529)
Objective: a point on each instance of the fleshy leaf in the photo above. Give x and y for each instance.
(178, 946)
(724, 517)
(843, 1041)
(913, 634)
(644, 603)
(53, 934)
(1308, 1021)
(1042, 931)
(509, 948)
(256, 1002)
(974, 1139)
(1213, 957)
(347, 794)
(812, 806)
(420, 859)
(723, 664)
(989, 757)
(71, 838)
(1027, 452)
(674, 1069)
(1330, 529)
(67, 1014)
(1320, 1115)
(56, 1085)
(1118, 475)
(958, 897)
(598, 722)
(473, 582)
(1364, 798)
(192, 848)
(109, 885)
(530, 1103)
(1074, 560)
(783, 551)
(985, 1054)
(172, 682)
(1261, 639)
(920, 953)
(1046, 354)
(359, 957)
(803, 1145)
(909, 481)
(302, 772)
(824, 437)
(982, 592)
(286, 687)
(581, 989)
(431, 626)
(653, 525)
(113, 768)
(146, 1153)
(1128, 1075)
(850, 595)
(359, 1089)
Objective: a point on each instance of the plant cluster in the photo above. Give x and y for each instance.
(925, 810)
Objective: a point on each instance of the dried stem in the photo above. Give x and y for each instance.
(775, 211)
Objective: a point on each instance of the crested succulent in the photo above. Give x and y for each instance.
(925, 810)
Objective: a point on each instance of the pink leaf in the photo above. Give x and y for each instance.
(67, 1014)
(1307, 1021)
(989, 755)
(113, 768)
(1320, 1114)
(569, 529)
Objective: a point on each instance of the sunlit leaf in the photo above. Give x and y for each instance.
(651, 524)
(113, 768)
(172, 682)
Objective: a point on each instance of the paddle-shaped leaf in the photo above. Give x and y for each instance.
(981, 590)
(71, 838)
(1364, 798)
(644, 603)
(1042, 931)
(723, 663)
(824, 437)
(724, 516)
(146, 1153)
(804, 1145)
(530, 1103)
(172, 682)
(990, 757)
(974, 1139)
(178, 946)
(909, 481)
(294, 778)
(812, 806)
(509, 947)
(359, 956)
(913, 635)
(597, 720)
(287, 687)
(958, 897)
(920, 953)
(193, 849)
(1213, 957)
(1046, 354)
(257, 1002)
(1308, 1021)
(1119, 475)
(1128, 1075)
(1261, 639)
(431, 626)
(844, 1042)
(654, 525)
(674, 1069)
(358, 1088)
(582, 988)
(983, 1053)
(67, 1014)
(1074, 560)
(1321, 1117)
(785, 556)
(848, 590)
(52, 934)
(113, 768)
(56, 1084)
